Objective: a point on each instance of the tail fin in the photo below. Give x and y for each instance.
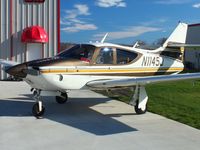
(178, 35)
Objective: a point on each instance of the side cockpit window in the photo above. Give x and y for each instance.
(124, 56)
(86, 55)
(105, 56)
(82, 52)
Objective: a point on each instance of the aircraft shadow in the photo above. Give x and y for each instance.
(76, 113)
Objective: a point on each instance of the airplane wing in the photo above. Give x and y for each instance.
(141, 80)
(7, 64)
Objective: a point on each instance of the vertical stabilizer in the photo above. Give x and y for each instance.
(178, 35)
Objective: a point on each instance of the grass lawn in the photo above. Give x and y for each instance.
(178, 100)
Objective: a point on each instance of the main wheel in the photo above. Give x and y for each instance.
(36, 112)
(62, 99)
(139, 110)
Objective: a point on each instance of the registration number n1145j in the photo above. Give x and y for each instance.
(152, 61)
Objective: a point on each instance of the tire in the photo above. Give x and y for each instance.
(139, 111)
(36, 112)
(61, 100)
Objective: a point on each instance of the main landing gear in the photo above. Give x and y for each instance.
(139, 100)
(38, 109)
(63, 98)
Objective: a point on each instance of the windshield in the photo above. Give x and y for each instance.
(82, 52)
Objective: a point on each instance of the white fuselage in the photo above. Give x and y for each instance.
(63, 78)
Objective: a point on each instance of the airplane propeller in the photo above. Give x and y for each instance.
(22, 70)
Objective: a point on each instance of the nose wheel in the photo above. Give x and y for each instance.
(38, 109)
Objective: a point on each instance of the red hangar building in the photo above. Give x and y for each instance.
(30, 29)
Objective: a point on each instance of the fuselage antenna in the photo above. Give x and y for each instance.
(103, 39)
(136, 44)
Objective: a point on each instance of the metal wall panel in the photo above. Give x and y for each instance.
(193, 56)
(4, 32)
(23, 15)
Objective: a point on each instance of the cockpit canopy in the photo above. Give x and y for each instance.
(99, 55)
(79, 52)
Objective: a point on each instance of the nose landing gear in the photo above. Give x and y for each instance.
(38, 109)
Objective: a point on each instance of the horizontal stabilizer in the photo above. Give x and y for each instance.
(178, 45)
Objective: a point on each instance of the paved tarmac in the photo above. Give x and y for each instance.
(89, 121)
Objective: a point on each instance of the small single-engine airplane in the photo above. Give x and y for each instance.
(104, 66)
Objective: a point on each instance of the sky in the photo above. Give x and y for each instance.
(125, 21)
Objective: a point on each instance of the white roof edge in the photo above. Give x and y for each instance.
(118, 45)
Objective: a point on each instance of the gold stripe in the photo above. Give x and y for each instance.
(110, 71)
